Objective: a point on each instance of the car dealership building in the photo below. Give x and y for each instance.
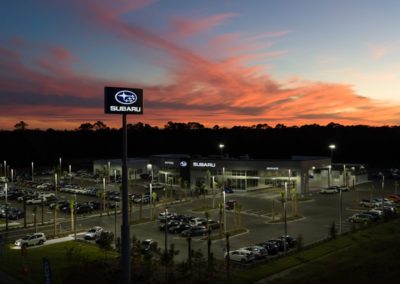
(238, 174)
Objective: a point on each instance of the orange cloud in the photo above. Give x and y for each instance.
(211, 90)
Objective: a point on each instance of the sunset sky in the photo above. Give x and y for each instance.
(226, 62)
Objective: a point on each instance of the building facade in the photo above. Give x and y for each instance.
(301, 173)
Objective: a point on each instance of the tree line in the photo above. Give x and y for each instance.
(377, 146)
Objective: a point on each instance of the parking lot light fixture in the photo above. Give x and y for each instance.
(221, 148)
(60, 160)
(12, 175)
(5, 168)
(32, 165)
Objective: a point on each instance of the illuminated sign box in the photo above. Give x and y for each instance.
(119, 100)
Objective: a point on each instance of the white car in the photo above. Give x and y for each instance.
(46, 195)
(329, 190)
(36, 200)
(43, 185)
(31, 240)
(241, 255)
(93, 233)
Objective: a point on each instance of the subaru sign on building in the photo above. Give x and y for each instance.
(123, 100)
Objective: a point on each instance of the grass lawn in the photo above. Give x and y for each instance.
(368, 256)
(29, 269)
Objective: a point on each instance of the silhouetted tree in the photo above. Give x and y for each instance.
(86, 127)
(22, 125)
(99, 125)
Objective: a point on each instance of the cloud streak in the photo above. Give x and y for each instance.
(228, 89)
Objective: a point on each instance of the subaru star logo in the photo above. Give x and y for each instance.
(126, 97)
(183, 163)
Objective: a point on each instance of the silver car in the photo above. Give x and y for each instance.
(31, 240)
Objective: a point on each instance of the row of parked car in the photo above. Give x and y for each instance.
(334, 189)
(186, 226)
(262, 250)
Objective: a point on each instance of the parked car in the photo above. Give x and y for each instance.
(83, 208)
(197, 221)
(360, 218)
(212, 224)
(15, 213)
(195, 231)
(280, 243)
(344, 188)
(170, 223)
(368, 203)
(93, 233)
(179, 228)
(35, 200)
(31, 240)
(373, 215)
(240, 255)
(259, 251)
(271, 247)
(329, 190)
(291, 241)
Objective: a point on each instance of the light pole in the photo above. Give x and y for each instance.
(75, 207)
(60, 160)
(5, 168)
(383, 186)
(329, 175)
(109, 171)
(6, 199)
(55, 183)
(115, 176)
(104, 194)
(285, 218)
(165, 229)
(340, 211)
(344, 175)
(12, 176)
(223, 195)
(221, 148)
(32, 164)
(150, 167)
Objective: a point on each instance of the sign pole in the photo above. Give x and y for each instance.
(125, 242)
(124, 101)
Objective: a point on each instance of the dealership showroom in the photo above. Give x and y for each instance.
(303, 173)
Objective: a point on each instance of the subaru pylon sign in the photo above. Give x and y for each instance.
(123, 100)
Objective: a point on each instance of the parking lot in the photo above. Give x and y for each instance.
(260, 215)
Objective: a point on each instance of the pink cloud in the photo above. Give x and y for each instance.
(210, 90)
(189, 27)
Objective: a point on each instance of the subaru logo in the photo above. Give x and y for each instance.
(126, 97)
(183, 163)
